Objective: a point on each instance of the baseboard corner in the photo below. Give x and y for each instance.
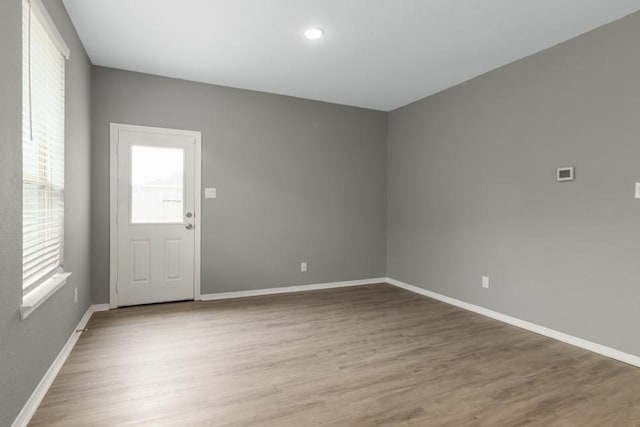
(100, 307)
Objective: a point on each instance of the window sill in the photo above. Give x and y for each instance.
(36, 297)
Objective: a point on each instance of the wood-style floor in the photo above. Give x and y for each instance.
(370, 355)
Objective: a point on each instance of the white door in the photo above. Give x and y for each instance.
(155, 215)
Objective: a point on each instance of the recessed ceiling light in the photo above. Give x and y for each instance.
(314, 33)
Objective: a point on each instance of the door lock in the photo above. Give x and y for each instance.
(188, 226)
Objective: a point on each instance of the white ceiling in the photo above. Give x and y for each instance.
(378, 54)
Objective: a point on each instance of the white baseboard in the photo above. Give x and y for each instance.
(290, 289)
(100, 307)
(551, 333)
(29, 408)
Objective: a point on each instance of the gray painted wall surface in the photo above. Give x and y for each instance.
(297, 180)
(28, 347)
(472, 189)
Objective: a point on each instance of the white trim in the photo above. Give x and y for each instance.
(291, 289)
(547, 332)
(35, 297)
(30, 407)
(197, 170)
(100, 307)
(41, 12)
(113, 215)
(114, 129)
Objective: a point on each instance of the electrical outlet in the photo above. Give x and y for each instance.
(303, 267)
(485, 282)
(75, 296)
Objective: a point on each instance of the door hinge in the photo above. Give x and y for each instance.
(117, 288)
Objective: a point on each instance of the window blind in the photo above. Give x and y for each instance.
(42, 147)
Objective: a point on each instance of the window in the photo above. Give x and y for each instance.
(43, 93)
(157, 187)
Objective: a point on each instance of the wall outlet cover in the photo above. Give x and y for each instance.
(485, 281)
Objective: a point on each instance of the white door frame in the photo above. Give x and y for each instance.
(115, 128)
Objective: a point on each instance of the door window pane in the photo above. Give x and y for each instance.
(157, 185)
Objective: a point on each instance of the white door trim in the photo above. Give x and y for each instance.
(113, 202)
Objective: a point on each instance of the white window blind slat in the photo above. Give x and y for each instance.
(38, 251)
(50, 258)
(43, 145)
(46, 271)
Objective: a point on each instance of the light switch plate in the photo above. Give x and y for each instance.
(210, 193)
(637, 190)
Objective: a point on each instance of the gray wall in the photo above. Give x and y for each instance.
(472, 189)
(297, 180)
(28, 347)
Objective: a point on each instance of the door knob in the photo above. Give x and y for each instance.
(188, 226)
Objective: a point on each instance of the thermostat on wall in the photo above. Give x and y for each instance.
(565, 174)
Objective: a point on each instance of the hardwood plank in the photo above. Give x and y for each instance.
(368, 355)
